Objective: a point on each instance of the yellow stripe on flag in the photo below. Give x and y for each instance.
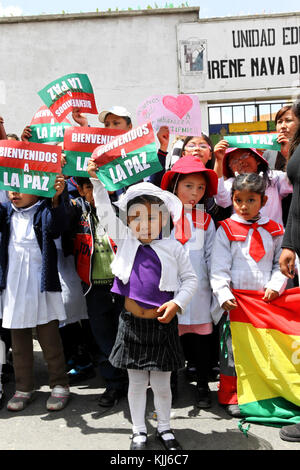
(267, 363)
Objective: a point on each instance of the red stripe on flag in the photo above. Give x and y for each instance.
(227, 393)
(282, 314)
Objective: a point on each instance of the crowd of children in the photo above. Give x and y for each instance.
(140, 281)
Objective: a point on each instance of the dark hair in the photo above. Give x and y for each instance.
(282, 111)
(210, 164)
(251, 182)
(146, 199)
(13, 136)
(262, 166)
(296, 137)
(81, 180)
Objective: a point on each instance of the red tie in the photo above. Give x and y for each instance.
(182, 229)
(257, 251)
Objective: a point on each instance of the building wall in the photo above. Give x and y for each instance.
(128, 56)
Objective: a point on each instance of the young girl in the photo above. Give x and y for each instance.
(201, 147)
(193, 184)
(233, 161)
(31, 296)
(157, 280)
(245, 256)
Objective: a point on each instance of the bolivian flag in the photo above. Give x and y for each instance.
(266, 347)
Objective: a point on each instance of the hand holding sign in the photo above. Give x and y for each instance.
(255, 141)
(29, 168)
(128, 158)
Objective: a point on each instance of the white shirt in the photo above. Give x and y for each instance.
(177, 274)
(279, 188)
(233, 267)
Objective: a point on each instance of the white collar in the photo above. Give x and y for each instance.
(26, 209)
(261, 221)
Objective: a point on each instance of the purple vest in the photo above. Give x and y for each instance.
(143, 284)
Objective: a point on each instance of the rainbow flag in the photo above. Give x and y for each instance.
(266, 348)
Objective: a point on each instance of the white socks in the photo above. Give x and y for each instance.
(137, 395)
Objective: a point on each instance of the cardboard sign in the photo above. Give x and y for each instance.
(180, 113)
(128, 158)
(79, 144)
(255, 141)
(68, 92)
(43, 133)
(29, 167)
(44, 116)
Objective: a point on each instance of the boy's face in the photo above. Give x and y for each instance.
(112, 121)
(86, 191)
(22, 200)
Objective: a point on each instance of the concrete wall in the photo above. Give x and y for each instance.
(128, 56)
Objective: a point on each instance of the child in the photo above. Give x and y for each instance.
(31, 296)
(94, 251)
(232, 161)
(193, 183)
(245, 256)
(156, 277)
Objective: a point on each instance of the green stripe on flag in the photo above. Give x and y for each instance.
(33, 182)
(271, 411)
(124, 171)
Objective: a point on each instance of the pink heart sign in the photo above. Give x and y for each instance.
(178, 105)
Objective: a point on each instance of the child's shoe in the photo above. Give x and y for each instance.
(58, 399)
(203, 397)
(20, 400)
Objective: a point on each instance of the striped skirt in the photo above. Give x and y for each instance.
(147, 344)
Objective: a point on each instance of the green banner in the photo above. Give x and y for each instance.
(76, 82)
(129, 169)
(43, 133)
(257, 141)
(77, 163)
(39, 183)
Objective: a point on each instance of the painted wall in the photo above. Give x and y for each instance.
(127, 56)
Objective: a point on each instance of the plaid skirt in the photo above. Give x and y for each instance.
(147, 344)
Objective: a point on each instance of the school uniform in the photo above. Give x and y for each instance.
(278, 189)
(196, 232)
(197, 239)
(172, 275)
(233, 266)
(31, 295)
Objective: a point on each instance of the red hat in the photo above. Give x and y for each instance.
(191, 164)
(227, 171)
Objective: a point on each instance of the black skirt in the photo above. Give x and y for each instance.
(147, 344)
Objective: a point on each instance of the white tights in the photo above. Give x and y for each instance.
(137, 394)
